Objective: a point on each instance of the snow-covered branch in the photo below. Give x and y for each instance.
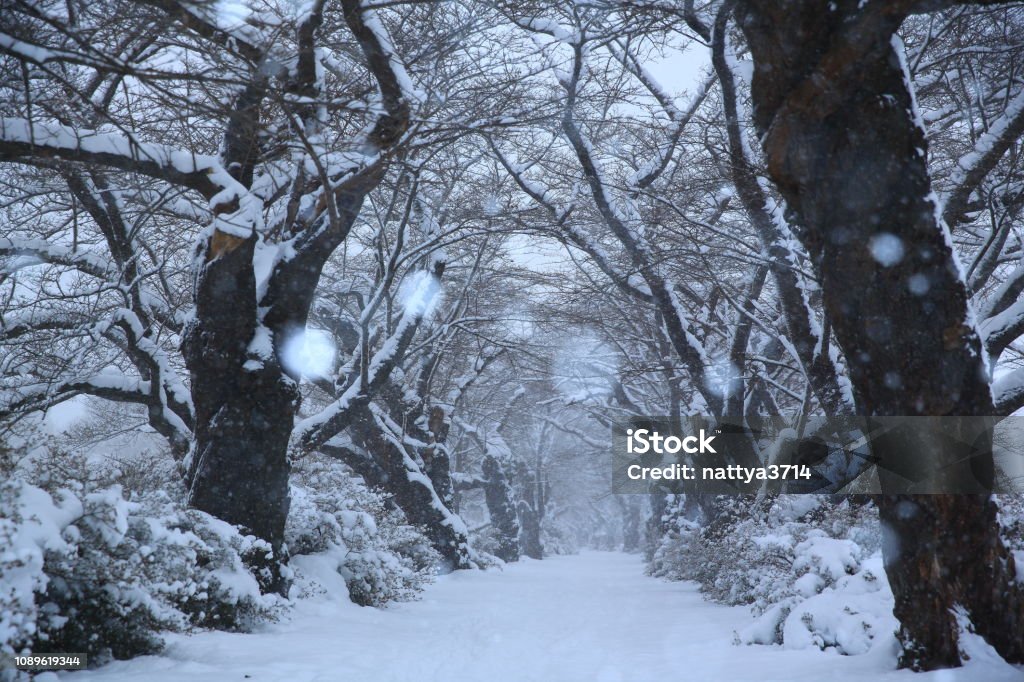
(30, 141)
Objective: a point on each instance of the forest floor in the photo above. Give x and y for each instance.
(593, 617)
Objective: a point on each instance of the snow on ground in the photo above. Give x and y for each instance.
(593, 617)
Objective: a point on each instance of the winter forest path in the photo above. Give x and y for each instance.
(588, 618)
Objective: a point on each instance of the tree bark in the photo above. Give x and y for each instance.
(436, 460)
(531, 513)
(944, 556)
(655, 527)
(412, 491)
(501, 507)
(238, 468)
(843, 143)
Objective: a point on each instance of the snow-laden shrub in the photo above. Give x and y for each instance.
(21, 568)
(809, 569)
(847, 614)
(87, 566)
(486, 540)
(836, 595)
(380, 556)
(1011, 518)
(94, 572)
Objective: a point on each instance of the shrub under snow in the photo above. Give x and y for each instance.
(101, 558)
(810, 569)
(368, 542)
(1011, 518)
(84, 569)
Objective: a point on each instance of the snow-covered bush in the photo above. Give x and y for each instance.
(1011, 518)
(810, 569)
(486, 539)
(96, 573)
(88, 566)
(835, 596)
(381, 557)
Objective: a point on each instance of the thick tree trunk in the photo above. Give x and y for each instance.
(238, 467)
(845, 149)
(531, 513)
(413, 491)
(943, 558)
(529, 535)
(501, 507)
(436, 460)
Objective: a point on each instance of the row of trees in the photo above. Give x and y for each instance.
(192, 189)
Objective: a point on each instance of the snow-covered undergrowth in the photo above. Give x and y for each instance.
(811, 570)
(1011, 518)
(357, 534)
(104, 559)
(84, 569)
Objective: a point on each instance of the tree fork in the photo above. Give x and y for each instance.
(238, 468)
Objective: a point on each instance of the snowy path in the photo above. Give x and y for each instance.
(593, 617)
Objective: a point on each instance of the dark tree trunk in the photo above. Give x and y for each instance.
(413, 491)
(843, 146)
(436, 460)
(530, 514)
(501, 507)
(238, 469)
(630, 525)
(655, 527)
(945, 555)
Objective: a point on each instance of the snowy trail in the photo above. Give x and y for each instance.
(593, 617)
